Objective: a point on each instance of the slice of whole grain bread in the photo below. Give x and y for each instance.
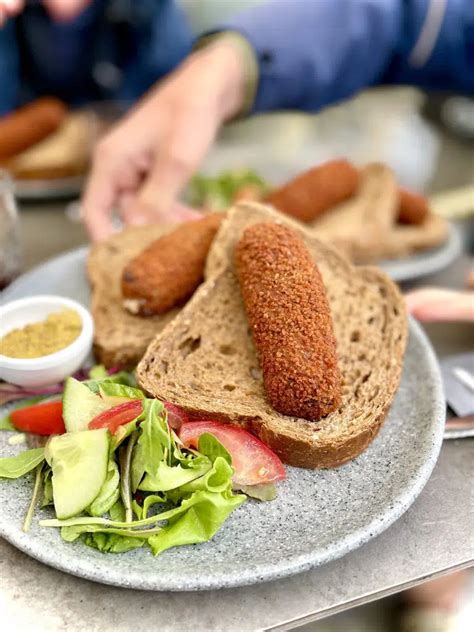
(205, 361)
(120, 338)
(358, 227)
(406, 239)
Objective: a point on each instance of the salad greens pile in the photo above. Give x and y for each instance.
(217, 193)
(136, 486)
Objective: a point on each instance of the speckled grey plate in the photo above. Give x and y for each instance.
(427, 262)
(317, 517)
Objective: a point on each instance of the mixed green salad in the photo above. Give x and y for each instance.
(124, 471)
(217, 193)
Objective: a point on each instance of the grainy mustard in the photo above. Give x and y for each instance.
(47, 336)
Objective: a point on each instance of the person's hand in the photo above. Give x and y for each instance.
(65, 10)
(438, 305)
(142, 165)
(10, 8)
(59, 10)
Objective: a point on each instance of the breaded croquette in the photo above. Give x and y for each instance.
(167, 272)
(413, 208)
(290, 319)
(317, 190)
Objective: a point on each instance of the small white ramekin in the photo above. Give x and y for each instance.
(51, 368)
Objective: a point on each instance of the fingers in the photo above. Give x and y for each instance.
(438, 305)
(65, 11)
(10, 8)
(177, 158)
(100, 197)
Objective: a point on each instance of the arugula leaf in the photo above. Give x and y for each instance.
(155, 439)
(137, 468)
(204, 515)
(109, 493)
(197, 520)
(16, 466)
(34, 499)
(125, 460)
(104, 523)
(105, 542)
(120, 390)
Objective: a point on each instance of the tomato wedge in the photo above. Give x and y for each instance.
(254, 463)
(117, 416)
(41, 419)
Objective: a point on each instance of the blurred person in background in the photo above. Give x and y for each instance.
(87, 50)
(284, 54)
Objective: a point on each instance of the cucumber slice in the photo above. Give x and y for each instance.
(79, 463)
(80, 405)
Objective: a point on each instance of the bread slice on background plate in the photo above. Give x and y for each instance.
(120, 338)
(358, 226)
(365, 227)
(205, 361)
(405, 239)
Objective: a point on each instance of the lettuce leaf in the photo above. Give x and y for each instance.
(167, 477)
(98, 372)
(217, 479)
(212, 448)
(16, 466)
(154, 444)
(152, 499)
(109, 493)
(122, 377)
(120, 390)
(6, 424)
(112, 543)
(204, 514)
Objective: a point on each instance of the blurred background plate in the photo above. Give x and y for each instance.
(52, 189)
(427, 262)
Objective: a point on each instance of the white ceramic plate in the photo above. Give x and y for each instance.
(317, 517)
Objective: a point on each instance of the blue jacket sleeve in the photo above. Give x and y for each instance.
(315, 52)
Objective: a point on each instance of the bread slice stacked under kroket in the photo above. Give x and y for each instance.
(120, 338)
(205, 361)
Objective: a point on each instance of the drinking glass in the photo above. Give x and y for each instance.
(10, 249)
